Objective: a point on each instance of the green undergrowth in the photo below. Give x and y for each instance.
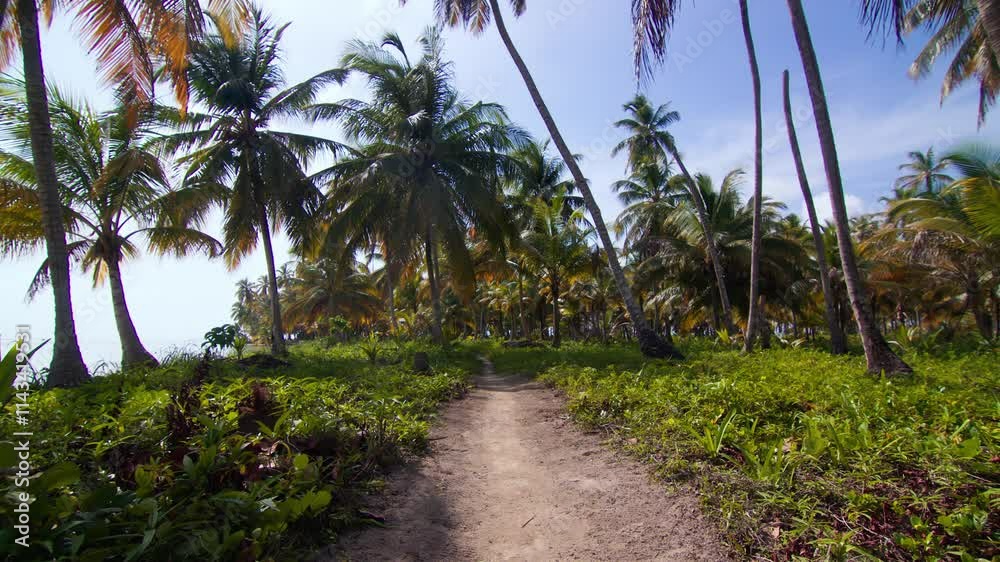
(802, 455)
(218, 460)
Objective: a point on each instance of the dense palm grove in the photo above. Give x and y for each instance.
(439, 216)
(436, 229)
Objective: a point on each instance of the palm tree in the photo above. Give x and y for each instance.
(330, 287)
(649, 195)
(758, 183)
(557, 249)
(476, 15)
(681, 256)
(979, 187)
(117, 35)
(540, 175)
(114, 190)
(940, 237)
(838, 342)
(968, 28)
(258, 171)
(878, 354)
(924, 173)
(648, 138)
(428, 162)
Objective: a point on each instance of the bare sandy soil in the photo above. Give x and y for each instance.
(510, 477)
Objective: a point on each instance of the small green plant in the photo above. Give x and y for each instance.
(371, 347)
(220, 338)
(713, 435)
(240, 344)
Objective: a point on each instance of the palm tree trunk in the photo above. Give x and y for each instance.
(650, 344)
(67, 367)
(710, 246)
(437, 333)
(525, 328)
(391, 304)
(877, 352)
(556, 314)
(753, 319)
(838, 344)
(133, 352)
(989, 14)
(277, 333)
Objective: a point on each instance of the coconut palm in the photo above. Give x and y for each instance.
(979, 187)
(649, 195)
(116, 32)
(878, 354)
(114, 192)
(649, 138)
(924, 173)
(970, 29)
(476, 16)
(540, 175)
(941, 238)
(258, 171)
(758, 182)
(557, 249)
(682, 252)
(329, 287)
(427, 161)
(838, 342)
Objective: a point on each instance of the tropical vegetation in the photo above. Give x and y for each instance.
(829, 387)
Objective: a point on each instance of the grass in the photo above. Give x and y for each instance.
(802, 455)
(218, 461)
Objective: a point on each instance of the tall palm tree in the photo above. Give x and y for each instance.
(649, 138)
(257, 170)
(557, 248)
(838, 342)
(758, 183)
(924, 173)
(428, 161)
(117, 35)
(878, 354)
(114, 191)
(970, 29)
(476, 15)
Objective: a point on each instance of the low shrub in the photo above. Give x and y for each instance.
(211, 460)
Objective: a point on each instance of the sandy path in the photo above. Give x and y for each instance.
(511, 478)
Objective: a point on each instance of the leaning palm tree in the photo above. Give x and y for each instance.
(968, 29)
(649, 139)
(476, 15)
(838, 341)
(115, 193)
(258, 171)
(429, 166)
(924, 173)
(878, 354)
(116, 32)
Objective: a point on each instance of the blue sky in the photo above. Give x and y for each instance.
(580, 54)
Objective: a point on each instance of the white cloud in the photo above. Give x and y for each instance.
(855, 206)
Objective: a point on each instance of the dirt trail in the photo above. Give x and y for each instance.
(511, 478)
